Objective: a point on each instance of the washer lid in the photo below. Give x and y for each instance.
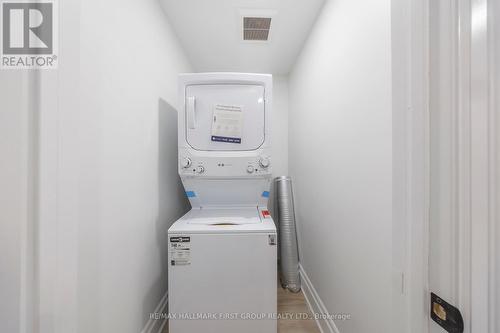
(237, 216)
(212, 221)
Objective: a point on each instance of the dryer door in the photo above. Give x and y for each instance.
(229, 117)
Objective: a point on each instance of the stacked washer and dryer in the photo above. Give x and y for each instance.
(222, 272)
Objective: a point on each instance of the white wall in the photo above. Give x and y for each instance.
(279, 126)
(340, 158)
(13, 200)
(494, 9)
(130, 60)
(16, 130)
(109, 132)
(279, 134)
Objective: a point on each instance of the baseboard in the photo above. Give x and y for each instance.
(316, 305)
(156, 325)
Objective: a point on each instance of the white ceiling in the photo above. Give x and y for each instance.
(210, 32)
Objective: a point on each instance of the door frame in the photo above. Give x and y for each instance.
(475, 152)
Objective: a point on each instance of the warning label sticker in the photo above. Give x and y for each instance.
(227, 123)
(180, 250)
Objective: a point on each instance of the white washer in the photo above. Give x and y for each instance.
(222, 271)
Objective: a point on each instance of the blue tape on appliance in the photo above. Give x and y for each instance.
(190, 194)
(265, 194)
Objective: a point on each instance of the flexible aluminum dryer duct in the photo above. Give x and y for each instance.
(289, 263)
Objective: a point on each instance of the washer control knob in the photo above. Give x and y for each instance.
(186, 162)
(200, 169)
(264, 162)
(250, 169)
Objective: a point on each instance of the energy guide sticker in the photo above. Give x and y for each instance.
(180, 250)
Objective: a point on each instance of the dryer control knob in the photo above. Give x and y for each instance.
(264, 162)
(250, 169)
(200, 169)
(186, 162)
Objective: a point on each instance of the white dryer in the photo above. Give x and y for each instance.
(222, 254)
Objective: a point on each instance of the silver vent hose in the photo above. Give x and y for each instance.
(289, 254)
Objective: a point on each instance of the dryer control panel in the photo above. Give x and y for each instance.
(224, 166)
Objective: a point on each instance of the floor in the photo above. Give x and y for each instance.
(290, 305)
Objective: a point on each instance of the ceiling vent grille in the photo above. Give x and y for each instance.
(256, 28)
